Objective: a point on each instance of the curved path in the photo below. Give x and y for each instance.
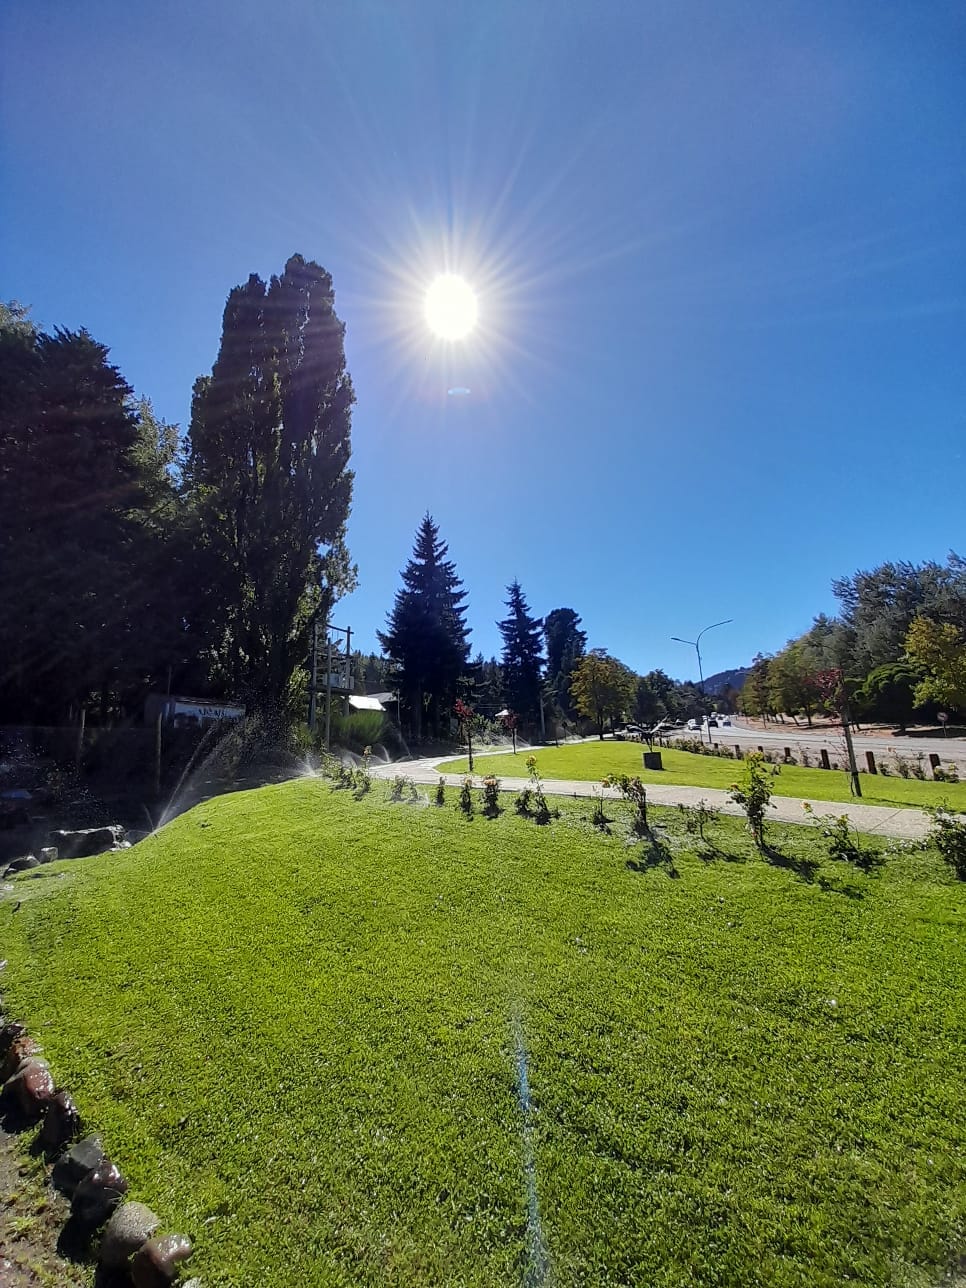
(877, 820)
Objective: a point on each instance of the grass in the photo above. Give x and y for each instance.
(301, 1023)
(591, 761)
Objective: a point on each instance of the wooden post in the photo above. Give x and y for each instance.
(157, 755)
(870, 761)
(853, 767)
(825, 760)
(788, 754)
(737, 751)
(762, 750)
(934, 762)
(79, 749)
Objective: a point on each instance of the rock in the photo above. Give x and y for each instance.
(9, 1034)
(48, 854)
(62, 1123)
(23, 864)
(32, 1087)
(89, 840)
(97, 1195)
(156, 1265)
(19, 1050)
(131, 1226)
(74, 1164)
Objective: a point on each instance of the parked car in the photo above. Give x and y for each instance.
(694, 726)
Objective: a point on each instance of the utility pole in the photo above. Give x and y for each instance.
(348, 668)
(328, 686)
(696, 645)
(314, 676)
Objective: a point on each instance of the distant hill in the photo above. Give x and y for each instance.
(726, 679)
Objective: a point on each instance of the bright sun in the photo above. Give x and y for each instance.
(451, 308)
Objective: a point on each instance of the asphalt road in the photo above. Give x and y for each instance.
(788, 735)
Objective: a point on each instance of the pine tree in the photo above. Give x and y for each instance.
(68, 486)
(267, 477)
(522, 657)
(426, 636)
(566, 645)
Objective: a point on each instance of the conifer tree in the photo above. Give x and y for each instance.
(522, 657)
(426, 635)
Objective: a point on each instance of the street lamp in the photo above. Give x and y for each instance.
(696, 645)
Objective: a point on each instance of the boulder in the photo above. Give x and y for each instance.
(89, 840)
(23, 864)
(48, 854)
(98, 1193)
(20, 1049)
(31, 1087)
(62, 1123)
(9, 1034)
(156, 1265)
(74, 1164)
(128, 1229)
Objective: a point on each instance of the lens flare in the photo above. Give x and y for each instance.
(451, 307)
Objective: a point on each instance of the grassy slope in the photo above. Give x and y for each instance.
(590, 761)
(293, 1017)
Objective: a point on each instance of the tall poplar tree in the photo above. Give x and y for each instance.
(268, 479)
(522, 657)
(426, 634)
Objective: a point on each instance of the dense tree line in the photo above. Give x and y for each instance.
(129, 563)
(545, 682)
(899, 644)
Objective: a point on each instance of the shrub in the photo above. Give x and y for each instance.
(402, 787)
(948, 775)
(363, 776)
(843, 842)
(633, 790)
(344, 777)
(919, 768)
(903, 766)
(441, 791)
(466, 796)
(806, 759)
(491, 796)
(948, 835)
(753, 794)
(533, 800)
(524, 802)
(598, 818)
(699, 817)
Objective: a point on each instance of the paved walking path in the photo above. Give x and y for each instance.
(877, 820)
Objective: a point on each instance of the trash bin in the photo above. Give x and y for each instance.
(652, 760)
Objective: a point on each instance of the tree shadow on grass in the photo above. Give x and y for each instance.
(804, 868)
(708, 852)
(833, 886)
(655, 853)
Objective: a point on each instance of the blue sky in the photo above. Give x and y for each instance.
(718, 250)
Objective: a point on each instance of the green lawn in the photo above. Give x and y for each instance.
(302, 1023)
(591, 761)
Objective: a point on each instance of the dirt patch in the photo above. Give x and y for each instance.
(32, 1216)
